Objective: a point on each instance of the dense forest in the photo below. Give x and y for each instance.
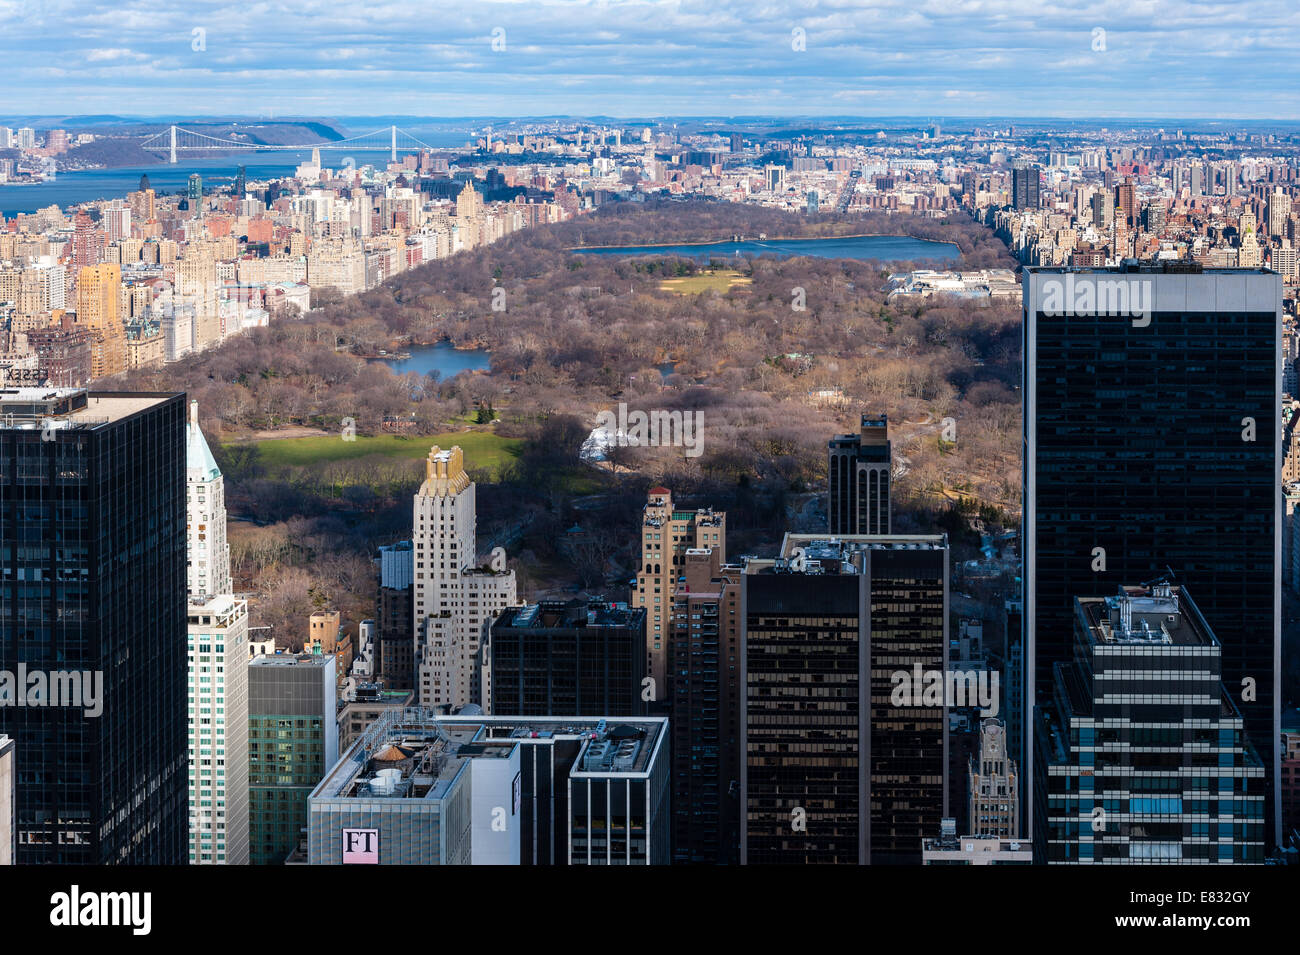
(775, 365)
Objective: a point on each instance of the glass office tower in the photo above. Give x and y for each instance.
(1145, 755)
(1152, 445)
(833, 769)
(92, 531)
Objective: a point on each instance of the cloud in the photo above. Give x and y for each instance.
(648, 57)
(93, 56)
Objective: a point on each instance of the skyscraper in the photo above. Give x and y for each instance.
(7, 775)
(1026, 178)
(395, 646)
(92, 515)
(1152, 444)
(994, 785)
(195, 195)
(859, 471)
(577, 656)
(208, 564)
(455, 595)
(1279, 211)
(218, 671)
(1126, 204)
(1144, 743)
(706, 710)
(293, 740)
(836, 766)
(667, 533)
(99, 292)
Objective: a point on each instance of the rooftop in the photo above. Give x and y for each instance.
(825, 554)
(402, 758)
(1148, 615)
(413, 753)
(572, 613)
(292, 659)
(71, 407)
(618, 745)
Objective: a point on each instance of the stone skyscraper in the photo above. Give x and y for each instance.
(455, 594)
(667, 533)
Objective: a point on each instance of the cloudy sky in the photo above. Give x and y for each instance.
(630, 58)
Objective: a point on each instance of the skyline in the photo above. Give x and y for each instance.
(649, 58)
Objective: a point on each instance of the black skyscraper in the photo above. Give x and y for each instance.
(1025, 181)
(1152, 442)
(558, 658)
(834, 769)
(858, 471)
(92, 529)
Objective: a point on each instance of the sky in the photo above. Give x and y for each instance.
(645, 58)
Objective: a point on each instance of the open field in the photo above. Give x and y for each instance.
(721, 280)
(483, 449)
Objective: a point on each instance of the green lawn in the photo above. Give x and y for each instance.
(722, 280)
(483, 449)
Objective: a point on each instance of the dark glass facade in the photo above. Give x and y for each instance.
(92, 532)
(908, 600)
(558, 658)
(859, 470)
(705, 709)
(292, 743)
(1026, 185)
(1151, 444)
(396, 647)
(824, 746)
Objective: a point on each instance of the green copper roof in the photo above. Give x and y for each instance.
(198, 456)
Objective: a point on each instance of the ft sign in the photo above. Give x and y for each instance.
(361, 847)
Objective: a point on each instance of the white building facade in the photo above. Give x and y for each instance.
(455, 595)
(218, 670)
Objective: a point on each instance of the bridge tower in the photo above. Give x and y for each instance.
(173, 160)
(394, 156)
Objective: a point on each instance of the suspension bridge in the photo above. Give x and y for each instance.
(178, 139)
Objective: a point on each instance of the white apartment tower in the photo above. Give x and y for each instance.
(455, 595)
(218, 668)
(205, 495)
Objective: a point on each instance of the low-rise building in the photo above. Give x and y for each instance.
(418, 788)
